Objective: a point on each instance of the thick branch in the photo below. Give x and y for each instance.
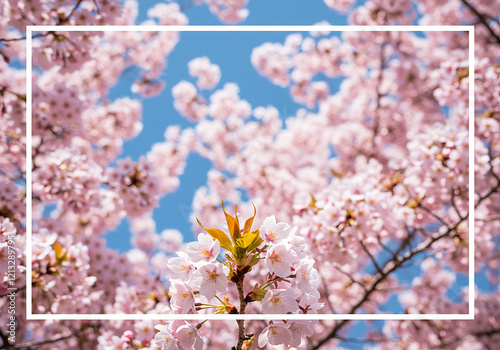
(243, 305)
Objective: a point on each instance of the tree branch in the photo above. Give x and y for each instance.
(38, 35)
(483, 20)
(75, 333)
(389, 267)
(372, 258)
(459, 338)
(15, 291)
(243, 305)
(353, 280)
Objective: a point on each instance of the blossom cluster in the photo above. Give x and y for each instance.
(200, 280)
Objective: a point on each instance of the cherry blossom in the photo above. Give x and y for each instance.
(272, 232)
(182, 297)
(208, 74)
(279, 259)
(279, 301)
(275, 333)
(164, 338)
(182, 266)
(206, 249)
(210, 278)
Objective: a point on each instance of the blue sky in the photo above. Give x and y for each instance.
(231, 51)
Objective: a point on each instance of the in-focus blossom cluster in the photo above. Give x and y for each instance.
(265, 270)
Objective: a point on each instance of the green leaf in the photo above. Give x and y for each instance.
(249, 222)
(232, 224)
(219, 235)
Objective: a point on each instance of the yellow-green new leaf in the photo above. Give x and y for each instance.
(232, 225)
(60, 253)
(219, 235)
(250, 241)
(257, 241)
(249, 222)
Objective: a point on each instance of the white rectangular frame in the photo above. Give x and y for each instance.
(245, 28)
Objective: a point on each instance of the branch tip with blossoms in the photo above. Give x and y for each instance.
(201, 281)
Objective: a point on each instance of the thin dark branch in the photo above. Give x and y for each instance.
(482, 20)
(372, 258)
(490, 192)
(495, 218)
(96, 6)
(434, 215)
(327, 293)
(38, 35)
(15, 291)
(243, 304)
(385, 247)
(454, 205)
(405, 243)
(453, 340)
(75, 333)
(353, 280)
(389, 267)
(5, 40)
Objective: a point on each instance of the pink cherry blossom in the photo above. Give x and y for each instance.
(187, 335)
(272, 232)
(164, 338)
(307, 276)
(279, 301)
(279, 260)
(208, 74)
(299, 330)
(275, 333)
(210, 279)
(206, 249)
(182, 300)
(370, 167)
(182, 266)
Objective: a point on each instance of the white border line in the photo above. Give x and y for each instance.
(250, 28)
(29, 168)
(472, 190)
(228, 317)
